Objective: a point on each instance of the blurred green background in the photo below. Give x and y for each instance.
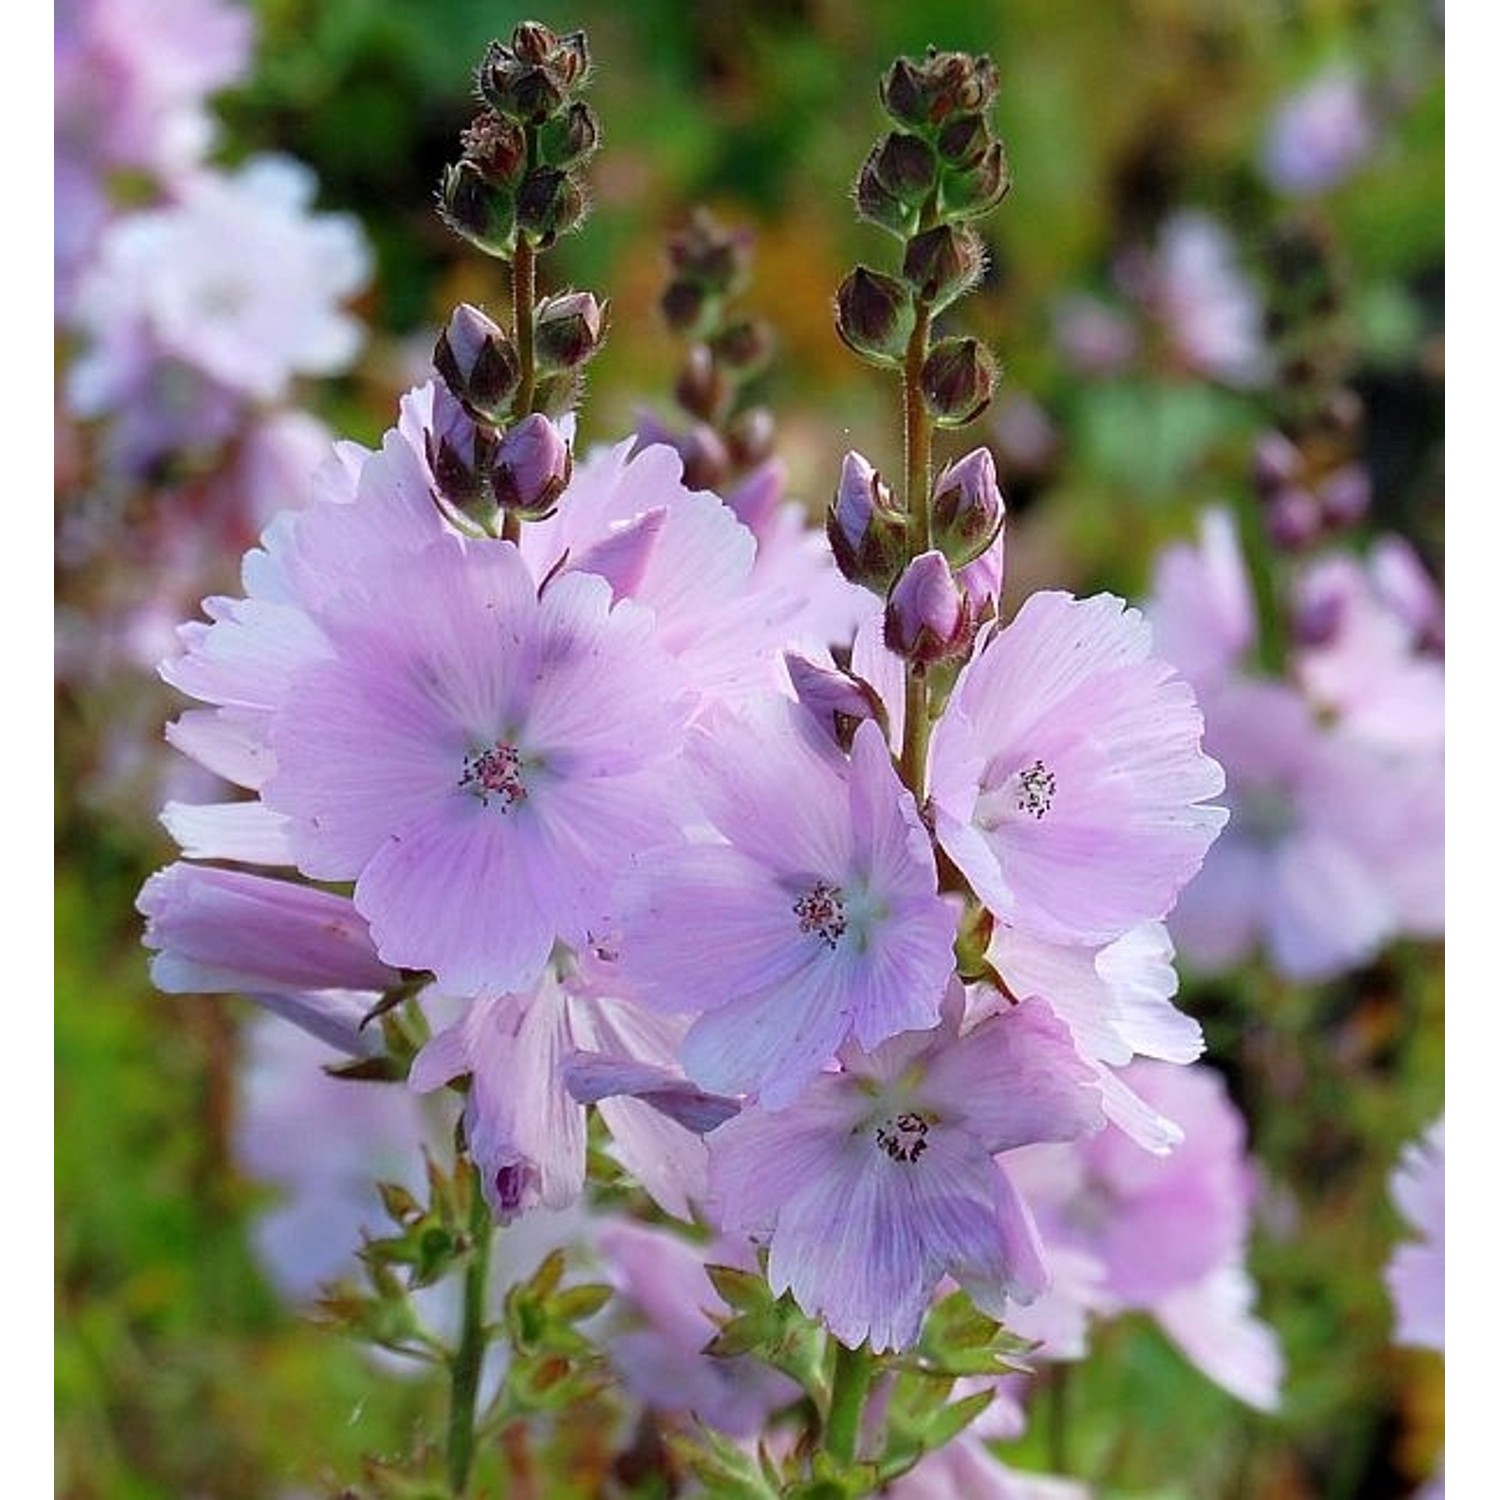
(179, 1371)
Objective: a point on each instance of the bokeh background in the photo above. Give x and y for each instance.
(184, 1366)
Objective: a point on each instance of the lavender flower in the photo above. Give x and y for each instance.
(478, 764)
(1415, 1272)
(881, 1179)
(1068, 782)
(813, 918)
(1318, 135)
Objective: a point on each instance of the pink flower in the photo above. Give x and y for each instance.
(881, 1179)
(479, 763)
(1068, 781)
(1415, 1272)
(813, 917)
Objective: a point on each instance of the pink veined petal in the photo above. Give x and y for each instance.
(246, 832)
(477, 922)
(1329, 911)
(1213, 1326)
(773, 1041)
(669, 1162)
(232, 743)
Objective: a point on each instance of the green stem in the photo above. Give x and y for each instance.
(852, 1373)
(468, 1358)
(1057, 1420)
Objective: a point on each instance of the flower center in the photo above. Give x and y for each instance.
(820, 910)
(496, 773)
(1035, 788)
(903, 1137)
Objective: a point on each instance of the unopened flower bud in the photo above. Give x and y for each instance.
(865, 529)
(1276, 462)
(472, 206)
(751, 437)
(973, 192)
(548, 204)
(532, 467)
(569, 329)
(927, 617)
(839, 701)
(875, 316)
(1294, 519)
(967, 509)
(926, 93)
(981, 580)
(1345, 496)
(943, 262)
(906, 165)
(570, 138)
(711, 256)
(497, 147)
(705, 459)
(478, 363)
(688, 308)
(744, 347)
(963, 140)
(958, 380)
(879, 205)
(460, 454)
(700, 388)
(532, 78)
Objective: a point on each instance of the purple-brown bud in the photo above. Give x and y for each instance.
(958, 380)
(1294, 519)
(497, 147)
(478, 363)
(942, 263)
(751, 437)
(926, 93)
(1276, 462)
(700, 387)
(474, 207)
(928, 618)
(460, 454)
(974, 191)
(569, 138)
(875, 316)
(967, 508)
(569, 329)
(839, 701)
(1345, 496)
(865, 529)
(548, 204)
(532, 467)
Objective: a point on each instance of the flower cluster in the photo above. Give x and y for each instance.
(835, 902)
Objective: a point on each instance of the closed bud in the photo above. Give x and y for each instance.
(532, 42)
(460, 454)
(700, 388)
(1276, 462)
(532, 78)
(688, 308)
(906, 164)
(974, 191)
(928, 619)
(744, 347)
(570, 138)
(478, 363)
(967, 508)
(958, 380)
(879, 205)
(705, 458)
(981, 580)
(532, 467)
(963, 140)
(569, 329)
(497, 148)
(751, 437)
(942, 263)
(711, 256)
(926, 93)
(865, 529)
(477, 209)
(839, 701)
(548, 204)
(1345, 496)
(875, 316)
(1294, 519)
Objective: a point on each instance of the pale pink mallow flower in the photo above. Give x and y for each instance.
(965, 1469)
(809, 917)
(1193, 284)
(1117, 1002)
(1318, 135)
(1332, 848)
(301, 953)
(1068, 779)
(480, 763)
(665, 1314)
(526, 1130)
(1167, 1234)
(882, 1179)
(1415, 1271)
(239, 281)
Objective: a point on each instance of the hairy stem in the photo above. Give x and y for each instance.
(918, 499)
